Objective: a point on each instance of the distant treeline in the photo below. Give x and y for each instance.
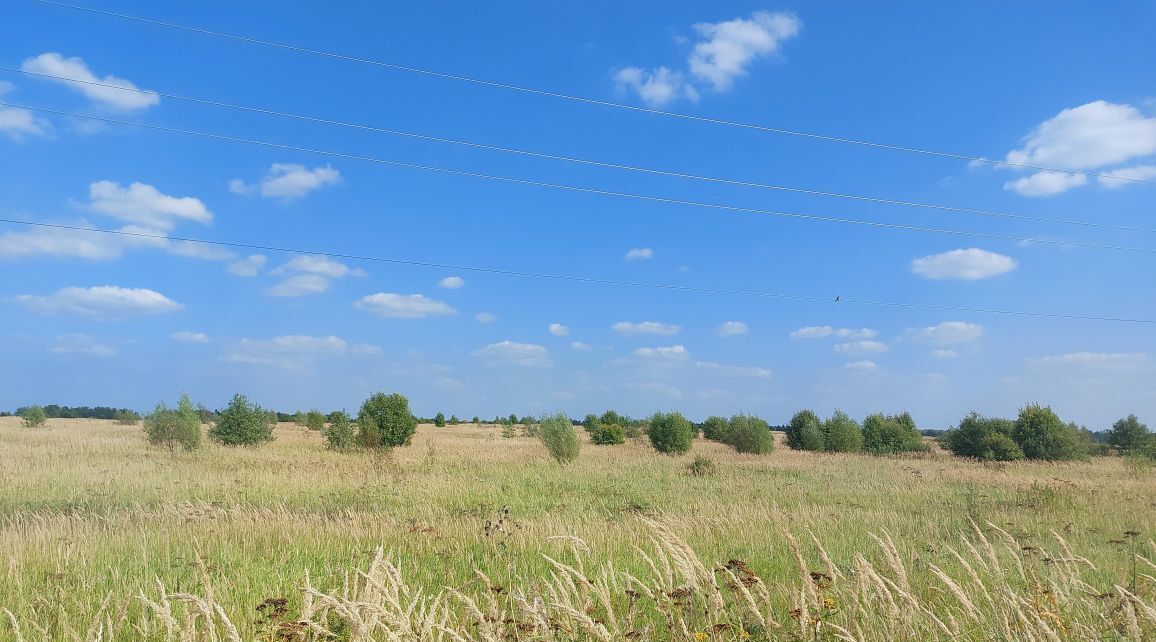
(53, 411)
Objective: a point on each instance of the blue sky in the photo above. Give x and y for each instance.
(99, 319)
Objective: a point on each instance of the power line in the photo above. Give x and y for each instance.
(588, 190)
(576, 278)
(584, 161)
(582, 99)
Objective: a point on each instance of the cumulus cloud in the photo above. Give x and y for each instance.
(526, 355)
(737, 371)
(864, 346)
(944, 354)
(950, 332)
(1091, 358)
(559, 330)
(731, 329)
(1136, 173)
(451, 282)
(145, 205)
(365, 350)
(61, 243)
(861, 366)
(639, 253)
(18, 122)
(578, 345)
(81, 344)
(106, 301)
(294, 351)
(300, 285)
(824, 331)
(190, 337)
(403, 306)
(1099, 135)
(629, 329)
(971, 264)
(288, 181)
(248, 266)
(310, 275)
(486, 317)
(663, 353)
(76, 72)
(722, 54)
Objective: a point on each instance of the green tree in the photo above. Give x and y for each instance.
(314, 420)
(560, 438)
(476, 420)
(987, 438)
(1128, 434)
(611, 417)
(439, 420)
(385, 421)
(670, 433)
(750, 434)
(173, 429)
(805, 431)
(841, 434)
(512, 419)
(454, 420)
(590, 422)
(888, 434)
(242, 423)
(33, 416)
(339, 434)
(715, 428)
(1043, 435)
(607, 434)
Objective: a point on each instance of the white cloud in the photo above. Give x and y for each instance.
(1092, 358)
(300, 285)
(190, 337)
(559, 330)
(80, 344)
(862, 366)
(288, 181)
(19, 122)
(452, 282)
(944, 354)
(723, 54)
(730, 47)
(639, 253)
(731, 328)
(404, 306)
(663, 353)
(1094, 136)
(813, 332)
(655, 387)
(292, 352)
(248, 266)
(740, 371)
(60, 243)
(75, 69)
(310, 275)
(861, 347)
(145, 205)
(195, 250)
(578, 345)
(107, 301)
(1137, 173)
(968, 265)
(526, 355)
(950, 332)
(365, 350)
(646, 327)
(852, 333)
(486, 317)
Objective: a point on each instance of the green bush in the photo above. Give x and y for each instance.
(454, 420)
(560, 438)
(126, 418)
(385, 421)
(670, 433)
(242, 423)
(715, 428)
(750, 434)
(996, 446)
(702, 466)
(974, 438)
(1129, 434)
(590, 422)
(607, 434)
(339, 434)
(1043, 435)
(889, 434)
(33, 416)
(314, 420)
(173, 429)
(805, 431)
(439, 420)
(841, 434)
(611, 417)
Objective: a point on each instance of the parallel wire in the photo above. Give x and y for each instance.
(583, 161)
(582, 99)
(590, 190)
(578, 278)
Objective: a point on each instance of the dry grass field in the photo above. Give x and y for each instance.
(466, 535)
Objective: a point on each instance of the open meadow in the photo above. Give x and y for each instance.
(485, 537)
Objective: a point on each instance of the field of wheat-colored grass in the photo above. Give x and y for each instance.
(466, 535)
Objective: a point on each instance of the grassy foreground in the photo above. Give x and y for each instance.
(466, 535)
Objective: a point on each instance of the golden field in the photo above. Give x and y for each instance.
(105, 538)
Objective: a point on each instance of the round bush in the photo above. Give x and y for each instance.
(560, 438)
(439, 420)
(33, 417)
(841, 434)
(670, 433)
(385, 421)
(242, 424)
(888, 434)
(607, 434)
(1043, 435)
(750, 434)
(715, 428)
(339, 434)
(976, 436)
(805, 432)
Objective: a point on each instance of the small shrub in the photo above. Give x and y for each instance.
(242, 423)
(33, 417)
(385, 421)
(1043, 435)
(299, 419)
(702, 466)
(477, 421)
(973, 438)
(314, 420)
(590, 422)
(889, 434)
(750, 434)
(805, 431)
(439, 420)
(997, 446)
(841, 434)
(454, 420)
(173, 429)
(560, 438)
(670, 433)
(339, 434)
(715, 428)
(126, 418)
(607, 434)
